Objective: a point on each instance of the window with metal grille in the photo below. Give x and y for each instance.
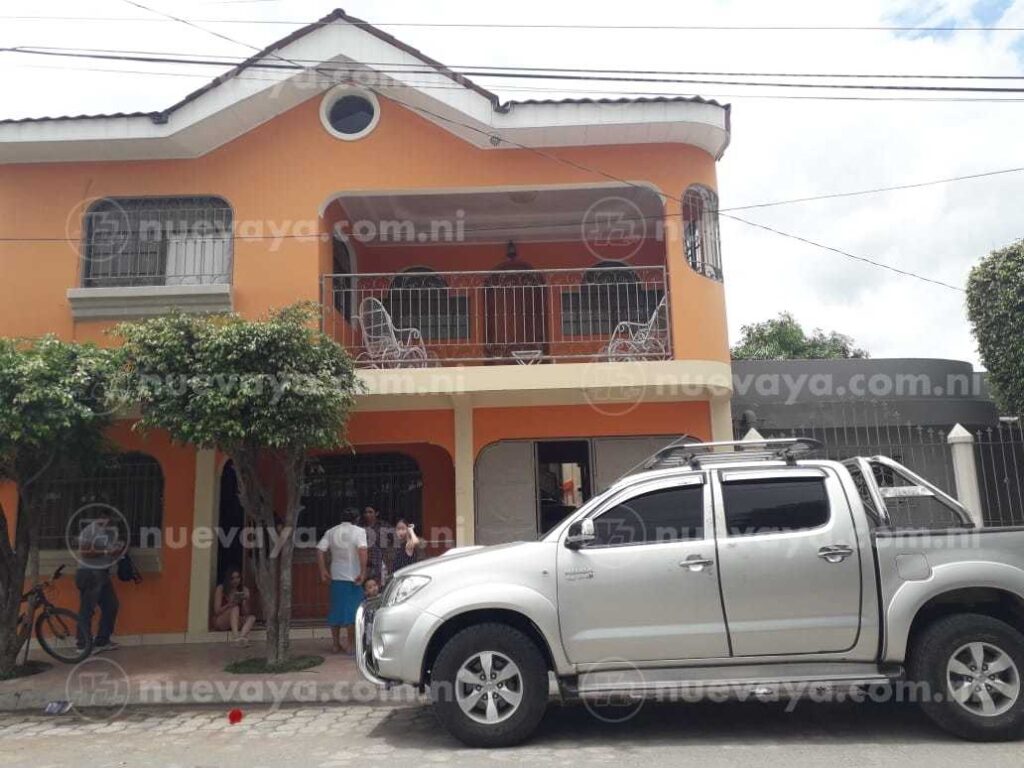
(609, 294)
(700, 231)
(420, 298)
(131, 483)
(391, 483)
(157, 241)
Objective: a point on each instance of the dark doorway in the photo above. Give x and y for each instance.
(563, 480)
(230, 524)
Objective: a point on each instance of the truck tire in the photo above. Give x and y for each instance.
(972, 666)
(489, 686)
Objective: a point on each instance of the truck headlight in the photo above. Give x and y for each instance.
(405, 587)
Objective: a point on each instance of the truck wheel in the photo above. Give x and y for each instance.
(972, 666)
(489, 686)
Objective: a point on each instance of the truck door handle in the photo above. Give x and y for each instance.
(835, 553)
(696, 563)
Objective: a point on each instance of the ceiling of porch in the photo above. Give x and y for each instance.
(522, 214)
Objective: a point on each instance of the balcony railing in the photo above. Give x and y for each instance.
(512, 316)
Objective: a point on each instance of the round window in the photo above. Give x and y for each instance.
(349, 114)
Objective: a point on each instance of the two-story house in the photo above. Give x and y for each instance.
(532, 290)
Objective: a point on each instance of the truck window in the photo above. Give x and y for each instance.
(874, 516)
(668, 514)
(774, 505)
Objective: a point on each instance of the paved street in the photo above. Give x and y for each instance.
(706, 735)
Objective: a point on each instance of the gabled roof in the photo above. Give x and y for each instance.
(200, 121)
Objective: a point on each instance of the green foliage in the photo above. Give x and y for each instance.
(995, 306)
(234, 384)
(54, 396)
(783, 338)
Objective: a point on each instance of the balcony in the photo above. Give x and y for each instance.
(513, 316)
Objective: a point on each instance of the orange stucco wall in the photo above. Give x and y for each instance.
(279, 177)
(159, 603)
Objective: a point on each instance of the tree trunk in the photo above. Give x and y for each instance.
(294, 472)
(13, 562)
(256, 500)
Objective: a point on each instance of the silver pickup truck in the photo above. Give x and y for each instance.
(719, 569)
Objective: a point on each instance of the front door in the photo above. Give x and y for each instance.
(646, 589)
(789, 562)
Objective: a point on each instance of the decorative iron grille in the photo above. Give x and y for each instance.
(131, 483)
(157, 241)
(701, 239)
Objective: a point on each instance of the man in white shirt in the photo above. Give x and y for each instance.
(346, 544)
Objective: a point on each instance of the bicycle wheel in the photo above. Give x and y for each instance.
(57, 633)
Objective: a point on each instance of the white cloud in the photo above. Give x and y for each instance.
(781, 148)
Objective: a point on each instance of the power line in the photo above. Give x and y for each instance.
(604, 92)
(425, 67)
(528, 76)
(535, 26)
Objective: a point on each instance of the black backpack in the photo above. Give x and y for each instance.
(127, 570)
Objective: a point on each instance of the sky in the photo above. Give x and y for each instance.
(782, 148)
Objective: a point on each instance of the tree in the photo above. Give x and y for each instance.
(995, 306)
(783, 338)
(53, 416)
(263, 392)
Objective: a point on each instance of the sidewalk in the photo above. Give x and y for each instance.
(194, 674)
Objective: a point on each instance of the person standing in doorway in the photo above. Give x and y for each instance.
(345, 543)
(99, 547)
(378, 537)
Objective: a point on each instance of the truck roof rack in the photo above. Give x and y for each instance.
(686, 452)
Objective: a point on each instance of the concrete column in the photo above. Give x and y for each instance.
(465, 515)
(721, 419)
(203, 574)
(965, 471)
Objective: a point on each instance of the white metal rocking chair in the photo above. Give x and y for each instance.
(385, 345)
(640, 341)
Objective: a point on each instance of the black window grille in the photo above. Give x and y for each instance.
(609, 294)
(420, 298)
(391, 483)
(131, 483)
(157, 241)
(700, 232)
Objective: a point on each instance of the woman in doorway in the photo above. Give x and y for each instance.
(408, 546)
(231, 608)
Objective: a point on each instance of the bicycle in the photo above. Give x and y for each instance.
(56, 628)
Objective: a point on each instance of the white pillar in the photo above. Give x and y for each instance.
(465, 516)
(965, 471)
(202, 573)
(721, 419)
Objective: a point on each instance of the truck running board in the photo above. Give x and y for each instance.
(693, 684)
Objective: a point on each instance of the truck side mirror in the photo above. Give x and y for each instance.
(581, 532)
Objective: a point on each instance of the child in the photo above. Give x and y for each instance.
(371, 589)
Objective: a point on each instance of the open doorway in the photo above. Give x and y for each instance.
(563, 480)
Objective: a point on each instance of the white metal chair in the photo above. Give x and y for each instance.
(386, 346)
(640, 341)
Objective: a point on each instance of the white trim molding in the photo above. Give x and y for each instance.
(148, 301)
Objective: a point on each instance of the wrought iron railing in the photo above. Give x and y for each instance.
(514, 316)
